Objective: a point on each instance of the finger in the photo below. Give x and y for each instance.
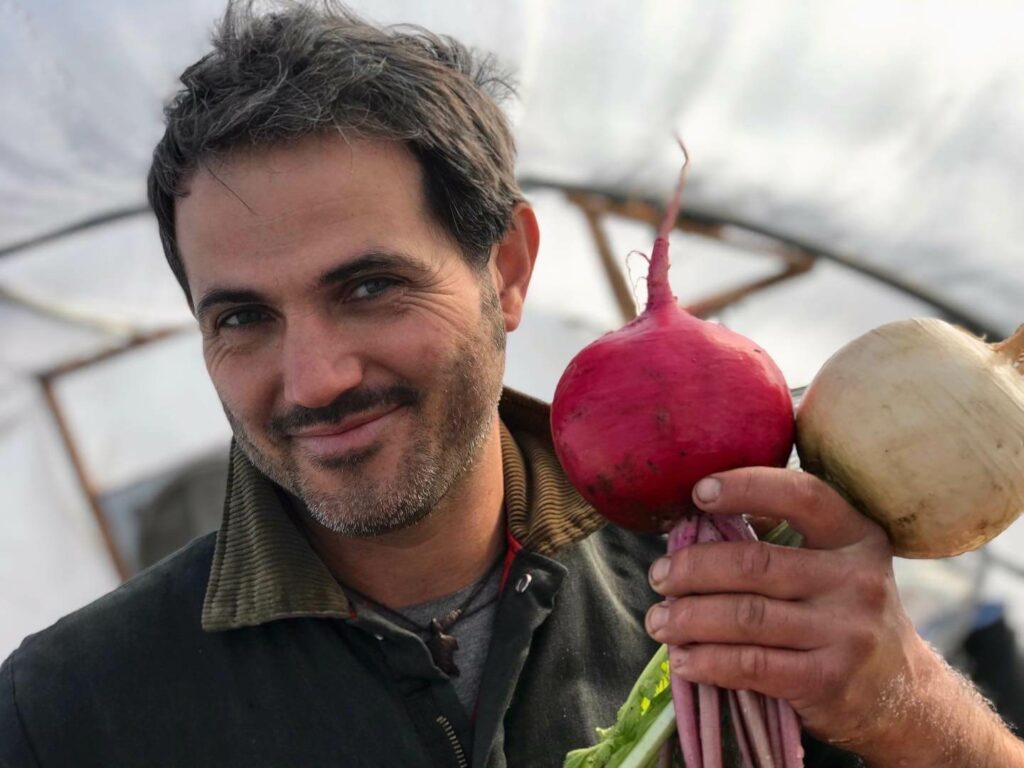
(780, 673)
(783, 573)
(826, 519)
(737, 620)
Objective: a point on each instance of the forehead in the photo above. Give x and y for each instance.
(323, 198)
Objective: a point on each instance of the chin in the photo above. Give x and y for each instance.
(366, 523)
(352, 460)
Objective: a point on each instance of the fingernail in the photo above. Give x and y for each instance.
(678, 659)
(659, 570)
(657, 617)
(708, 489)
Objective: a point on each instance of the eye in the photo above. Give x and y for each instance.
(240, 318)
(369, 289)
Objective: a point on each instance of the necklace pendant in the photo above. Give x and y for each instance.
(442, 647)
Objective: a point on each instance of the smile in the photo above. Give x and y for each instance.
(353, 434)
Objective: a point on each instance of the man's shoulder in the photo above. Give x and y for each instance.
(164, 599)
(66, 681)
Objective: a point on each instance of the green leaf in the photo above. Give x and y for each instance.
(784, 536)
(647, 718)
(649, 704)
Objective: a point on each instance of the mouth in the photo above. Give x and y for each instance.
(352, 434)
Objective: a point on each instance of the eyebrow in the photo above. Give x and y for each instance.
(218, 296)
(339, 274)
(366, 263)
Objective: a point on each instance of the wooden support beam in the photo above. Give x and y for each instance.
(621, 289)
(88, 489)
(47, 381)
(795, 261)
(719, 301)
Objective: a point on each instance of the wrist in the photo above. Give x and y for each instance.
(933, 717)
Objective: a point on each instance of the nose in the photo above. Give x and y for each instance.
(320, 362)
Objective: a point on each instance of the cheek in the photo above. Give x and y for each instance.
(454, 313)
(412, 356)
(243, 386)
(425, 348)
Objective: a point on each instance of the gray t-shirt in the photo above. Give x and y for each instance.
(472, 631)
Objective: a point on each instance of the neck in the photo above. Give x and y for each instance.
(450, 548)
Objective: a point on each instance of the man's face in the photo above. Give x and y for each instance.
(358, 356)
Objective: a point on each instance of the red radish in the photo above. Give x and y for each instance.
(639, 417)
(644, 412)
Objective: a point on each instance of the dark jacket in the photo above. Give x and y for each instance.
(241, 650)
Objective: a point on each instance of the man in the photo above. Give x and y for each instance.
(403, 577)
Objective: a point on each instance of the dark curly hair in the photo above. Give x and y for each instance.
(305, 69)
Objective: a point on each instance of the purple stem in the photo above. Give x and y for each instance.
(753, 719)
(734, 528)
(665, 755)
(710, 725)
(739, 731)
(686, 721)
(707, 533)
(767, 730)
(774, 731)
(683, 535)
(710, 704)
(785, 726)
(792, 748)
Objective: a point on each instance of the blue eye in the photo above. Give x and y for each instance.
(369, 289)
(240, 318)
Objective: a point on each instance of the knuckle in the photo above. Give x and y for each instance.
(863, 644)
(683, 567)
(752, 662)
(754, 560)
(748, 485)
(871, 589)
(682, 615)
(807, 492)
(824, 677)
(750, 613)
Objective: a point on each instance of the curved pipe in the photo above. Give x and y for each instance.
(949, 311)
(707, 219)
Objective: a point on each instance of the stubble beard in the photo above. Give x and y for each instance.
(433, 462)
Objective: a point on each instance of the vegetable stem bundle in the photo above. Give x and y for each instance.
(766, 730)
(660, 705)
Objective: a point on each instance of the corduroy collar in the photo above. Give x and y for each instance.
(264, 569)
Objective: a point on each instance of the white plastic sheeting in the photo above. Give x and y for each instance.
(887, 131)
(51, 554)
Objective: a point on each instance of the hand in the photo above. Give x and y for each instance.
(821, 627)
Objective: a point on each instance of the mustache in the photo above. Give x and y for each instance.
(347, 404)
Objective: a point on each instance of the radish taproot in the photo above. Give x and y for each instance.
(645, 412)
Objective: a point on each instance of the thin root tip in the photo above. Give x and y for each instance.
(672, 210)
(682, 146)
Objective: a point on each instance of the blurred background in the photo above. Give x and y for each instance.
(852, 164)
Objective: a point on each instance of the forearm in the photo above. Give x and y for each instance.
(938, 720)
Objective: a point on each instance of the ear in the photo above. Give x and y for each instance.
(512, 263)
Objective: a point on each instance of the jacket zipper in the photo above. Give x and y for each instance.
(453, 739)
